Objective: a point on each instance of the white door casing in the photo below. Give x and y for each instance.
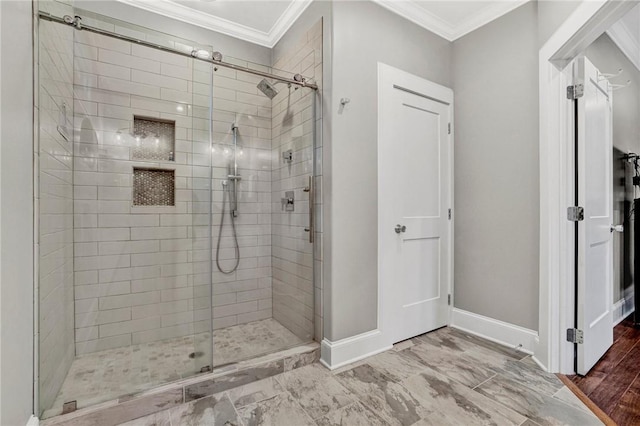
(414, 193)
(556, 297)
(595, 240)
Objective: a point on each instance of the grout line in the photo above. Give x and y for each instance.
(235, 409)
(170, 416)
(527, 419)
(482, 383)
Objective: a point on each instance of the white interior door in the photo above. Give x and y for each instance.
(414, 197)
(595, 240)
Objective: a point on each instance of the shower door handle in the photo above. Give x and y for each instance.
(309, 189)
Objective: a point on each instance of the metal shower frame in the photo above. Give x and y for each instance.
(76, 22)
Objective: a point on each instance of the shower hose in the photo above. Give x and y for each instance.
(225, 189)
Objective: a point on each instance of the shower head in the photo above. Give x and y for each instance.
(269, 89)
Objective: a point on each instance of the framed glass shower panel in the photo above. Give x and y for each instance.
(263, 161)
(54, 206)
(139, 305)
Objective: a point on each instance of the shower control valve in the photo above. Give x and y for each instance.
(288, 202)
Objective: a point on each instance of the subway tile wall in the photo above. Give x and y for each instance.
(142, 273)
(244, 295)
(296, 301)
(136, 279)
(137, 275)
(54, 204)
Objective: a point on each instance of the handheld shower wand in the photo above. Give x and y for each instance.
(232, 179)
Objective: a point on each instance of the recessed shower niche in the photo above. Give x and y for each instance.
(155, 139)
(153, 187)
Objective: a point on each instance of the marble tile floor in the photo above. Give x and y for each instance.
(109, 374)
(441, 378)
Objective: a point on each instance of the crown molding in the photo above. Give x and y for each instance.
(269, 39)
(420, 16)
(622, 36)
(407, 9)
(287, 19)
(486, 15)
(430, 21)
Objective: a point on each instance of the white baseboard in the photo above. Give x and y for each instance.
(623, 307)
(345, 351)
(497, 331)
(33, 421)
(539, 364)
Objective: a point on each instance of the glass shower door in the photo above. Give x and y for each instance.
(138, 299)
(263, 160)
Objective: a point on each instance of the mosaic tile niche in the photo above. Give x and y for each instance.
(153, 187)
(155, 139)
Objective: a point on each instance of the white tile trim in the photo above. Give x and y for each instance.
(351, 349)
(497, 331)
(214, 23)
(33, 421)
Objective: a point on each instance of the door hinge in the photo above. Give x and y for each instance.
(575, 336)
(449, 299)
(448, 128)
(575, 92)
(575, 214)
(449, 214)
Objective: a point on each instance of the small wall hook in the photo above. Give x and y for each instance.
(343, 102)
(606, 76)
(615, 87)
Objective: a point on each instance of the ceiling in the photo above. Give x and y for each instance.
(265, 22)
(626, 34)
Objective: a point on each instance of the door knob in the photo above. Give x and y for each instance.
(400, 228)
(617, 228)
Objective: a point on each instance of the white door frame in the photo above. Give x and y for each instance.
(438, 93)
(556, 302)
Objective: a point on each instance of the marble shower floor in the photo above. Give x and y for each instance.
(441, 378)
(106, 375)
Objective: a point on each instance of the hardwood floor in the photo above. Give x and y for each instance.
(614, 383)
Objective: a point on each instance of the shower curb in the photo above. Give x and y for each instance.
(133, 406)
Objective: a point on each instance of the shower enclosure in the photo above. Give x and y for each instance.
(175, 208)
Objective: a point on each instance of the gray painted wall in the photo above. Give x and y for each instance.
(229, 46)
(16, 213)
(608, 58)
(495, 74)
(551, 14)
(367, 33)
